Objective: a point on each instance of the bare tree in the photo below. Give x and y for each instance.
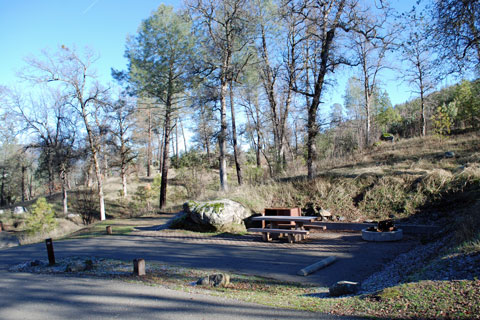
(418, 56)
(277, 45)
(121, 120)
(320, 23)
(225, 22)
(372, 41)
(74, 76)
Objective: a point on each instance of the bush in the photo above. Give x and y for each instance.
(86, 204)
(142, 199)
(41, 218)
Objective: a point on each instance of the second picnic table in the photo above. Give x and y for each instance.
(295, 232)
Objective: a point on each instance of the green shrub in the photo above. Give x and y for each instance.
(142, 199)
(41, 218)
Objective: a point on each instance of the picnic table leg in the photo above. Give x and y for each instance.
(299, 226)
(266, 237)
(291, 238)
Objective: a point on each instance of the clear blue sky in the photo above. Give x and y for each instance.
(28, 26)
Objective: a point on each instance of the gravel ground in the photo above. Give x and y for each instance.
(425, 262)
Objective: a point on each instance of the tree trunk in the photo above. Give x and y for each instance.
(312, 132)
(123, 174)
(177, 153)
(98, 174)
(51, 180)
(222, 137)
(183, 135)
(168, 114)
(367, 123)
(234, 136)
(165, 160)
(96, 163)
(259, 141)
(149, 143)
(23, 183)
(105, 157)
(2, 190)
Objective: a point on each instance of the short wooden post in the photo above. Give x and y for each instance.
(109, 230)
(139, 267)
(51, 254)
(1, 226)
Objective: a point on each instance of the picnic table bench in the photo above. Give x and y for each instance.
(294, 232)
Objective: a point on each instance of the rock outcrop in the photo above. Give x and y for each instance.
(218, 215)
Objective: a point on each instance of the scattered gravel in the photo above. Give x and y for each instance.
(401, 268)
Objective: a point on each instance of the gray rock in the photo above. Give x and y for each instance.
(342, 288)
(221, 215)
(76, 266)
(215, 280)
(325, 213)
(449, 154)
(36, 263)
(19, 210)
(1, 211)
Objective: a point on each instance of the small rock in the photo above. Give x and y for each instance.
(343, 288)
(88, 265)
(73, 215)
(449, 154)
(19, 210)
(35, 263)
(75, 267)
(215, 280)
(325, 213)
(1, 211)
(341, 218)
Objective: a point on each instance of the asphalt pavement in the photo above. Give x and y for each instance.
(33, 296)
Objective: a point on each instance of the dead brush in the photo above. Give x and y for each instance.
(467, 229)
(388, 196)
(436, 182)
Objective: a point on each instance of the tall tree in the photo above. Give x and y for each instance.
(277, 45)
(159, 58)
(121, 119)
(418, 56)
(225, 23)
(320, 23)
(372, 41)
(75, 77)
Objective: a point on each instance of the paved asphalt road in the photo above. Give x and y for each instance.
(357, 259)
(29, 296)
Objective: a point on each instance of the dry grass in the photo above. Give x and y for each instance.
(64, 227)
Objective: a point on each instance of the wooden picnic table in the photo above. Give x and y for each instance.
(294, 232)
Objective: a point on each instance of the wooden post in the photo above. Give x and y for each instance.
(139, 267)
(1, 226)
(109, 230)
(51, 255)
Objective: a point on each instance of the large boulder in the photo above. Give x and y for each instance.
(218, 215)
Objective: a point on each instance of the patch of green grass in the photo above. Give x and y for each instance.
(119, 227)
(420, 300)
